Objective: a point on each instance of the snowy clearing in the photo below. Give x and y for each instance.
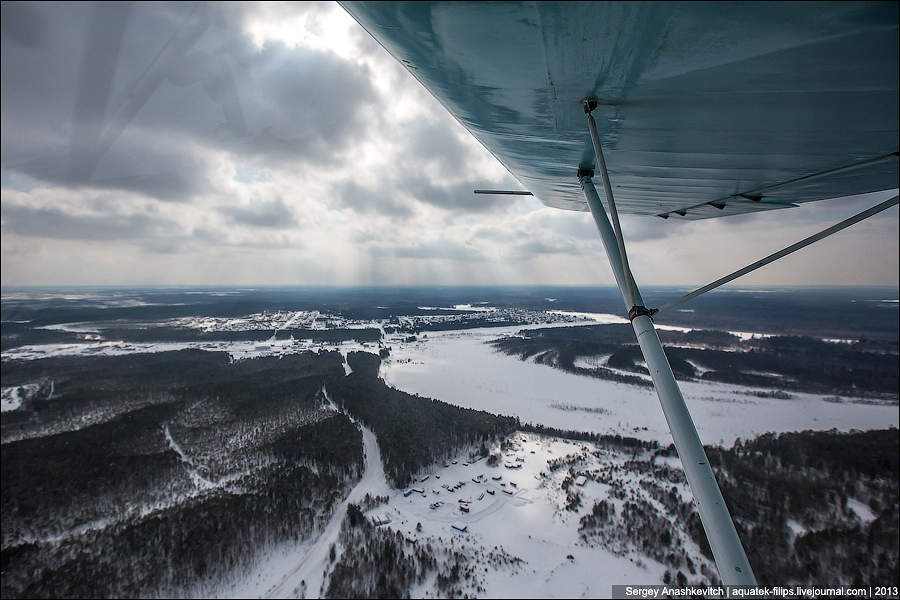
(526, 517)
(11, 397)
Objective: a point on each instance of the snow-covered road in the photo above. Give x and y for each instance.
(311, 565)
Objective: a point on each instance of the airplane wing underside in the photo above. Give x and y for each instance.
(706, 110)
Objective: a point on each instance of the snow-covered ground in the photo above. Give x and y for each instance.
(459, 367)
(605, 318)
(238, 350)
(862, 510)
(469, 307)
(525, 516)
(11, 397)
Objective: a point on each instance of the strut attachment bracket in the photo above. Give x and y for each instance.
(640, 311)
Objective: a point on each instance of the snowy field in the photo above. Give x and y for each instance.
(11, 397)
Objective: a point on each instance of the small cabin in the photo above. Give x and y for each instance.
(580, 480)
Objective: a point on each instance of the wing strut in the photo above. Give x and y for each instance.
(731, 560)
(776, 255)
(630, 286)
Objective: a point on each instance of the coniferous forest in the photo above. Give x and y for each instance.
(169, 473)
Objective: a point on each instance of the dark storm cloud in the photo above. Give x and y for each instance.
(149, 231)
(458, 197)
(435, 142)
(55, 223)
(103, 96)
(382, 200)
(307, 104)
(21, 23)
(274, 214)
(396, 197)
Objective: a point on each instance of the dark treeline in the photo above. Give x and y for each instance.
(173, 492)
(840, 312)
(380, 562)
(470, 323)
(158, 369)
(75, 390)
(559, 347)
(13, 335)
(202, 539)
(813, 480)
(413, 432)
(792, 363)
(376, 563)
(467, 320)
(85, 387)
(795, 499)
(602, 439)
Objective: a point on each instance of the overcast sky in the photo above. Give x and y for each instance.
(280, 144)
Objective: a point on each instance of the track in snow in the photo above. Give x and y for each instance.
(311, 566)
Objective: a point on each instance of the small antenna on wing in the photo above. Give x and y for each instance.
(504, 192)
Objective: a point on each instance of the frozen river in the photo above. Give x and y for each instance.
(459, 367)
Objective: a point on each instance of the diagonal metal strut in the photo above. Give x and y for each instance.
(731, 560)
(781, 253)
(590, 105)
